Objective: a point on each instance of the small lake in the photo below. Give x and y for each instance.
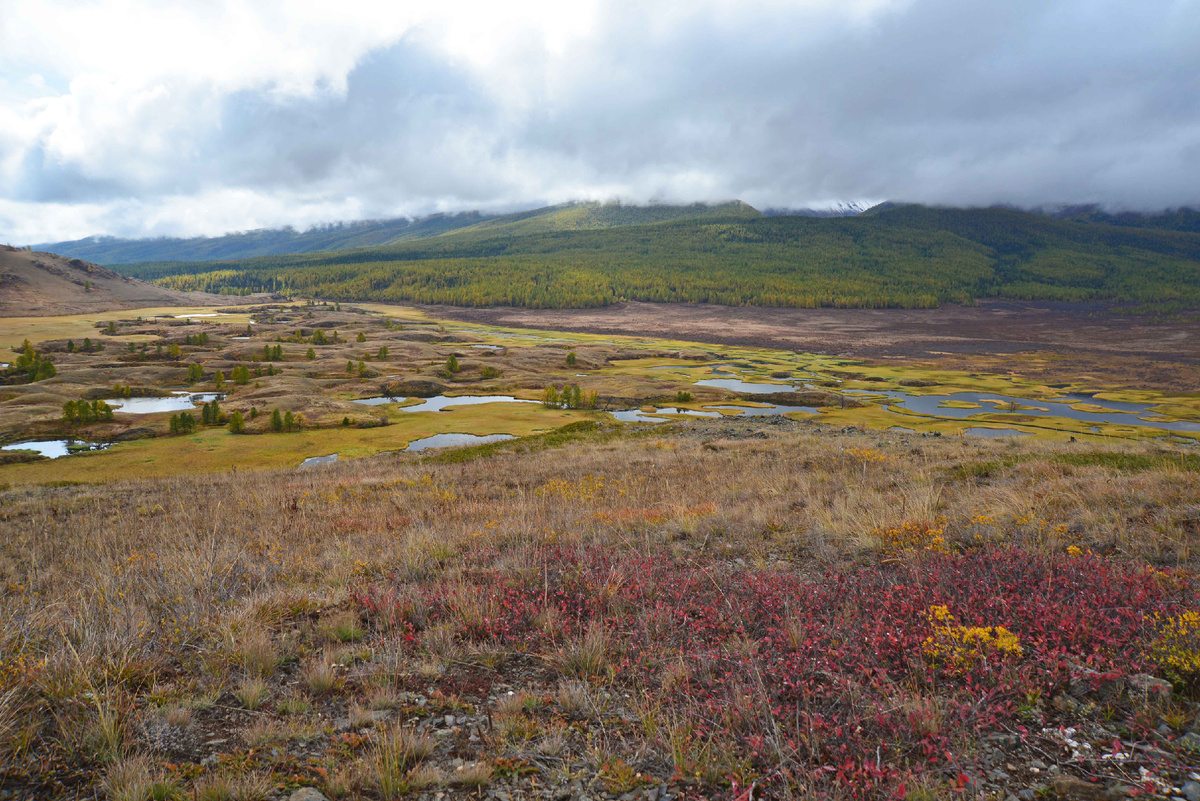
(981, 431)
(315, 460)
(1114, 412)
(638, 416)
(453, 440)
(383, 400)
(54, 448)
(748, 387)
(176, 403)
(769, 410)
(439, 402)
(489, 347)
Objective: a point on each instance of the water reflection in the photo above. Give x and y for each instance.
(451, 440)
(180, 402)
(54, 448)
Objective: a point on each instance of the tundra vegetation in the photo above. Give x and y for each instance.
(814, 605)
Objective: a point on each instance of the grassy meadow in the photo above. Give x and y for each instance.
(799, 606)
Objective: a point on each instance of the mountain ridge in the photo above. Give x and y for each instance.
(583, 215)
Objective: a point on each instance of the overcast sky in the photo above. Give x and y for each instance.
(184, 118)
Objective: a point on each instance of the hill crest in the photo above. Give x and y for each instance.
(35, 283)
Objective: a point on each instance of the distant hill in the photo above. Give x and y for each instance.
(894, 255)
(109, 250)
(34, 284)
(374, 233)
(1182, 219)
(835, 210)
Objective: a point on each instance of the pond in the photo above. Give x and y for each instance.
(179, 402)
(315, 460)
(748, 387)
(638, 416)
(489, 347)
(440, 402)
(452, 440)
(383, 400)
(54, 448)
(769, 410)
(982, 431)
(1113, 412)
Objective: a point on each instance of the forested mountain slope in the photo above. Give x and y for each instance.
(901, 256)
(372, 233)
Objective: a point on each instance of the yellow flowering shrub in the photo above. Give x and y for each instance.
(959, 647)
(912, 537)
(1178, 645)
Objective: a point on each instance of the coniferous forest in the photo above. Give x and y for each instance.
(896, 256)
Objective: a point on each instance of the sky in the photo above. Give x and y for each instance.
(168, 118)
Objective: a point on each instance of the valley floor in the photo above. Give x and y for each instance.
(1165, 354)
(817, 604)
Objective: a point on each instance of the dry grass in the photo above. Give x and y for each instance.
(206, 584)
(396, 762)
(251, 693)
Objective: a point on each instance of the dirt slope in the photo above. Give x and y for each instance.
(41, 284)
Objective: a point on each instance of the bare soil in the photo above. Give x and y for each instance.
(990, 327)
(36, 284)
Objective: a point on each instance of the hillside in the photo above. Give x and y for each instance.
(1182, 219)
(897, 256)
(372, 233)
(34, 284)
(109, 250)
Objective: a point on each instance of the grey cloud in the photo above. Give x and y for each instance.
(937, 101)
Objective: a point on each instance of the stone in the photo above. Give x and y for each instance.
(1189, 742)
(1117, 792)
(1191, 791)
(1077, 789)
(1150, 686)
(1005, 740)
(1084, 682)
(307, 794)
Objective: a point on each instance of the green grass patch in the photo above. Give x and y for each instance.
(1132, 462)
